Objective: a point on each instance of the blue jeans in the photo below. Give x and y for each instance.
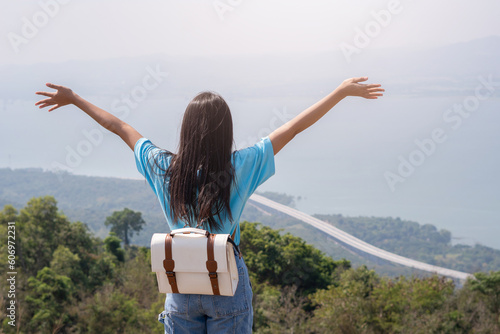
(211, 314)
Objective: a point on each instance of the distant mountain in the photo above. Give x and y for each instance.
(92, 199)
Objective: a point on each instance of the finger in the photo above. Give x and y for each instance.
(42, 101)
(45, 104)
(376, 89)
(51, 85)
(359, 79)
(373, 85)
(46, 101)
(46, 94)
(54, 107)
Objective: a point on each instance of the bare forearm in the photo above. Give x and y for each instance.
(64, 96)
(285, 133)
(349, 87)
(312, 114)
(104, 118)
(112, 123)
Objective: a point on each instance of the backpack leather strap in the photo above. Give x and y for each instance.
(212, 265)
(169, 264)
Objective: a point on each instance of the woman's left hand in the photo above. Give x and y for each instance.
(63, 96)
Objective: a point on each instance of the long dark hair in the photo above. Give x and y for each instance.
(200, 175)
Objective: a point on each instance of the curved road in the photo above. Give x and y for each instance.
(345, 238)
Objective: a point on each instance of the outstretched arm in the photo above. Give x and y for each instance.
(64, 96)
(350, 87)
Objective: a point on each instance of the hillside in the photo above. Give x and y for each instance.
(83, 198)
(92, 199)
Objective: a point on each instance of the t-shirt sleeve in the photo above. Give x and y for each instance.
(257, 166)
(145, 153)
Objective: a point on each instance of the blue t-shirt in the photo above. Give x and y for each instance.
(253, 165)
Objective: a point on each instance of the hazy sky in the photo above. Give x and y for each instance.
(94, 29)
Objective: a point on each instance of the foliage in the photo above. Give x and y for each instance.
(284, 260)
(489, 286)
(68, 281)
(124, 223)
(86, 285)
(66, 263)
(48, 295)
(112, 244)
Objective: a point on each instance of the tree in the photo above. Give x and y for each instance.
(40, 230)
(489, 286)
(285, 260)
(112, 245)
(64, 262)
(48, 296)
(124, 223)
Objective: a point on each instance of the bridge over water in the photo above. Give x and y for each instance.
(361, 246)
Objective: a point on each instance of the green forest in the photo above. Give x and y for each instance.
(70, 281)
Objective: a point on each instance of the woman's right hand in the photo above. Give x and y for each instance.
(63, 96)
(353, 87)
